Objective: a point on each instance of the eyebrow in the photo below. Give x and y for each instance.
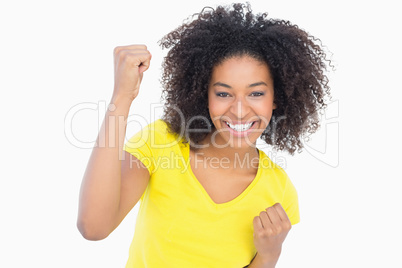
(251, 85)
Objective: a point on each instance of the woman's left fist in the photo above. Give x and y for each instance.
(270, 230)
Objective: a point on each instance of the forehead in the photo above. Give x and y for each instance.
(241, 70)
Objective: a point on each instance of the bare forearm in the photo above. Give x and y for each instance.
(100, 189)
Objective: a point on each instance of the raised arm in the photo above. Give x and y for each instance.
(114, 180)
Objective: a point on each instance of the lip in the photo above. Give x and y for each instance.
(242, 133)
(238, 122)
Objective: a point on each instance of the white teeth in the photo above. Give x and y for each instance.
(240, 127)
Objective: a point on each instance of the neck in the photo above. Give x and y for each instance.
(243, 158)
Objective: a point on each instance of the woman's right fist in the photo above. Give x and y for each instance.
(130, 62)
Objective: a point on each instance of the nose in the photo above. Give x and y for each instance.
(240, 108)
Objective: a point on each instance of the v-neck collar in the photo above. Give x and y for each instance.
(186, 152)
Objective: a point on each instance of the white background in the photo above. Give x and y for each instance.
(55, 55)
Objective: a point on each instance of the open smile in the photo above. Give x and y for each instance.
(240, 127)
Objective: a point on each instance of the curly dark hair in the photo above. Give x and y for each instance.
(296, 60)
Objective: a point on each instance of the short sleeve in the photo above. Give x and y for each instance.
(290, 202)
(139, 145)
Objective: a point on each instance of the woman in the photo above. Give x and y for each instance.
(209, 197)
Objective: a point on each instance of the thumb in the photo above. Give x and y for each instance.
(145, 63)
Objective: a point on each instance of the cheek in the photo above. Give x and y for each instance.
(215, 108)
(265, 111)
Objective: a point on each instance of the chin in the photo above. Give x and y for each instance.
(225, 140)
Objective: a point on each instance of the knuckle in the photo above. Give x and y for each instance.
(277, 206)
(122, 54)
(270, 210)
(116, 50)
(129, 58)
(270, 232)
(262, 234)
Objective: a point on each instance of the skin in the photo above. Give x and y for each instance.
(270, 230)
(241, 90)
(114, 180)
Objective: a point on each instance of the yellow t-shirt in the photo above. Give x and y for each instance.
(179, 225)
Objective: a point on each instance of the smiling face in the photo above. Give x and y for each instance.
(240, 101)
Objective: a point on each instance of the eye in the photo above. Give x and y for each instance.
(257, 94)
(222, 94)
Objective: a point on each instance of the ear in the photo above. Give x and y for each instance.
(274, 106)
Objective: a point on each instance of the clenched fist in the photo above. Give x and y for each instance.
(270, 230)
(130, 62)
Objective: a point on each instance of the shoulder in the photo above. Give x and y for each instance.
(267, 163)
(282, 187)
(156, 134)
(273, 170)
(158, 126)
(152, 141)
